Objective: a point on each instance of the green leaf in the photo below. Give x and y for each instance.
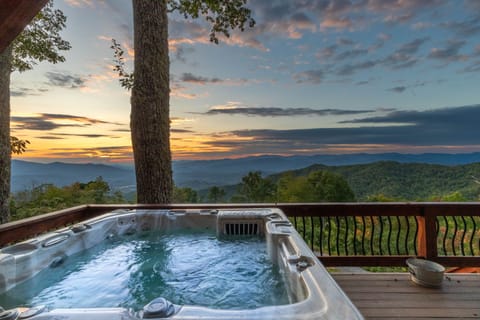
(41, 40)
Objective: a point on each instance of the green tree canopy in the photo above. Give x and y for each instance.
(41, 40)
(254, 188)
(328, 186)
(318, 186)
(48, 197)
(293, 189)
(185, 195)
(215, 195)
(222, 15)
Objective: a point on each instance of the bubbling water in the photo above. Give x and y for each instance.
(194, 268)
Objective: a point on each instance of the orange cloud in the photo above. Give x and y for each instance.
(80, 3)
(332, 22)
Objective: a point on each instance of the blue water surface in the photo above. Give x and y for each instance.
(193, 268)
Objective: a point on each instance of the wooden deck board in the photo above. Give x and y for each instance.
(395, 296)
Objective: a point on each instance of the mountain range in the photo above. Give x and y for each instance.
(26, 175)
(202, 174)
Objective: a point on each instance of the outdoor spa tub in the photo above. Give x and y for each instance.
(174, 264)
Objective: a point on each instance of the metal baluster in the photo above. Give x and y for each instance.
(321, 235)
(304, 236)
(363, 235)
(346, 235)
(312, 230)
(329, 238)
(415, 236)
(381, 235)
(454, 234)
(462, 245)
(399, 227)
(445, 236)
(372, 252)
(337, 238)
(472, 250)
(389, 235)
(355, 236)
(406, 235)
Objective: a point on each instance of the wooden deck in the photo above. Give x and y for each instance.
(394, 296)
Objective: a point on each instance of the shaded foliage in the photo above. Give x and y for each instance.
(317, 186)
(380, 197)
(216, 195)
(330, 187)
(254, 188)
(48, 197)
(185, 195)
(41, 40)
(124, 77)
(18, 146)
(222, 15)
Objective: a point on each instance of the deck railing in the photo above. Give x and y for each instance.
(341, 234)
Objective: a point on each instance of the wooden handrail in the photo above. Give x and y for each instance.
(425, 215)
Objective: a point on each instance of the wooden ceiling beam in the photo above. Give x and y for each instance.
(14, 16)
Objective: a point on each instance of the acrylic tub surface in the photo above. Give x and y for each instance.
(310, 291)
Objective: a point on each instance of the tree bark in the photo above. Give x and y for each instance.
(150, 119)
(5, 151)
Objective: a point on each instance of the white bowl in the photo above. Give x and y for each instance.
(425, 273)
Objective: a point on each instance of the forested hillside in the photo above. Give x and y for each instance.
(405, 181)
(379, 181)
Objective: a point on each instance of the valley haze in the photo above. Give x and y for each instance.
(203, 174)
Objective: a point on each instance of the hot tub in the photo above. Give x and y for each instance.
(305, 290)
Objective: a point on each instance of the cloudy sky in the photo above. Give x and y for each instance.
(312, 77)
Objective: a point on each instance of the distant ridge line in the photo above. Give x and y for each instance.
(202, 174)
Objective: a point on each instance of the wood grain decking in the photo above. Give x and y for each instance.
(394, 296)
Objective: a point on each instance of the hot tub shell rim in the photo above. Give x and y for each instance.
(284, 244)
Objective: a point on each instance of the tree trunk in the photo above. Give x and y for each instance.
(5, 151)
(150, 119)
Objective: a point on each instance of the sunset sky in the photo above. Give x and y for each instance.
(312, 77)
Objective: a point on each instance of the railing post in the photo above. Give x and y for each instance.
(421, 235)
(427, 234)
